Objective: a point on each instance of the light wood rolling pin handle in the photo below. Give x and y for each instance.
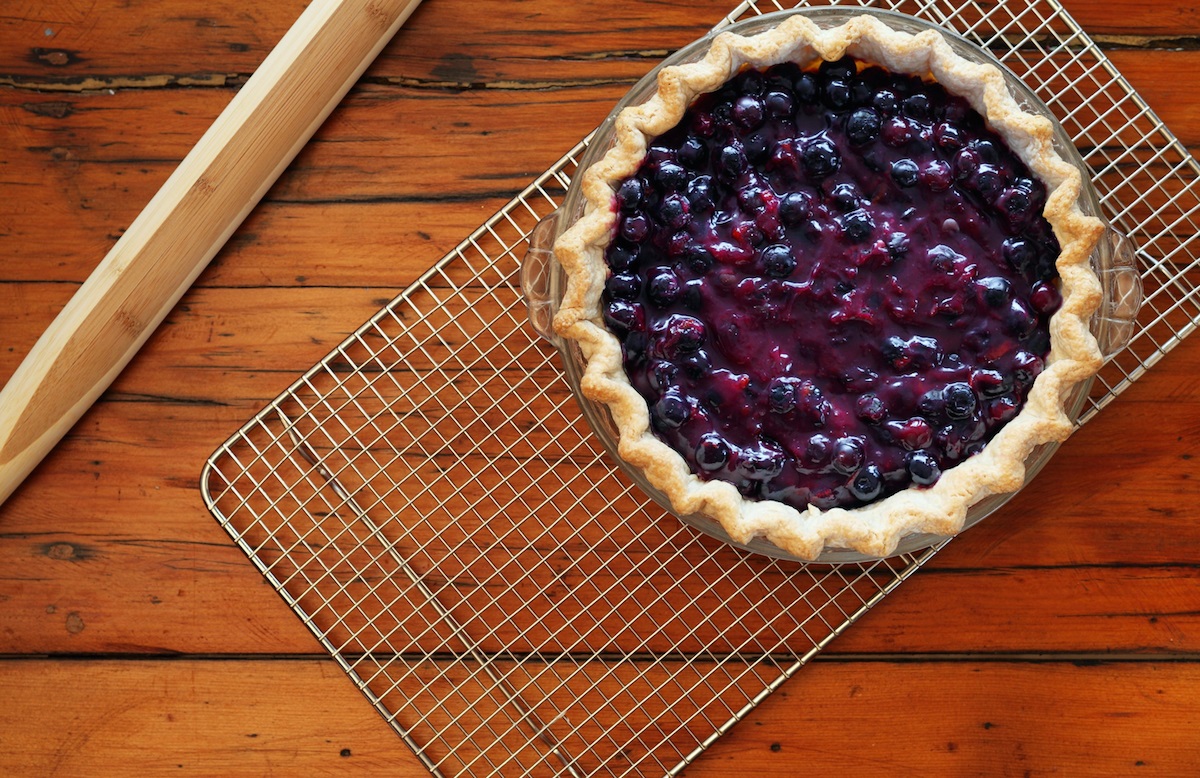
(187, 222)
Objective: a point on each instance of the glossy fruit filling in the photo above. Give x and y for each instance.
(830, 284)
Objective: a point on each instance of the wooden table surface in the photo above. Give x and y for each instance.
(1060, 637)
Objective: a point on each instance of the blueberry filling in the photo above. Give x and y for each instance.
(830, 285)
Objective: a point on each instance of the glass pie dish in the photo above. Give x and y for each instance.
(543, 279)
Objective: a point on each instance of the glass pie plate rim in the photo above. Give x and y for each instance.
(543, 279)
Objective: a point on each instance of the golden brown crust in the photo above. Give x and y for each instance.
(874, 529)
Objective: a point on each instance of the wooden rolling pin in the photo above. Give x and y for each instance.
(186, 223)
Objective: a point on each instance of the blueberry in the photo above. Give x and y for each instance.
(905, 172)
(1021, 321)
(635, 228)
(635, 345)
(781, 394)
(806, 88)
(857, 225)
(779, 103)
(671, 410)
(757, 148)
(818, 450)
(671, 177)
(620, 258)
(712, 452)
(751, 198)
(860, 92)
(821, 158)
(623, 286)
(870, 408)
(919, 351)
(623, 317)
(722, 114)
(845, 197)
(987, 151)
(947, 137)
(675, 211)
(922, 468)
(944, 259)
(960, 400)
(659, 152)
(896, 132)
(1026, 367)
(732, 161)
(885, 102)
(698, 259)
(847, 455)
(662, 375)
(837, 94)
(795, 207)
(1016, 204)
(760, 463)
(966, 163)
(814, 230)
(987, 180)
(749, 112)
(778, 261)
(862, 126)
(867, 483)
(1045, 298)
(699, 192)
(932, 404)
(691, 295)
(911, 434)
(952, 441)
(749, 233)
(838, 70)
(990, 383)
(664, 288)
(696, 365)
(693, 153)
(917, 107)
(937, 175)
(995, 290)
(682, 334)
(751, 82)
(892, 351)
(897, 244)
(1019, 253)
(629, 195)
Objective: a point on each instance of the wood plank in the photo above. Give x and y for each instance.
(202, 42)
(250, 717)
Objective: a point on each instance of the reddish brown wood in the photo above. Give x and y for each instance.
(238, 717)
(1060, 635)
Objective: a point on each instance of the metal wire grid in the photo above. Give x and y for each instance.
(429, 500)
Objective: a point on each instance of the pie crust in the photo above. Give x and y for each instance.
(876, 528)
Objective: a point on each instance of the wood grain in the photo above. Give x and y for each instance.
(250, 717)
(1061, 635)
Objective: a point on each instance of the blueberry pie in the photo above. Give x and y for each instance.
(832, 285)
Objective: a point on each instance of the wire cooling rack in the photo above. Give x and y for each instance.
(429, 501)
